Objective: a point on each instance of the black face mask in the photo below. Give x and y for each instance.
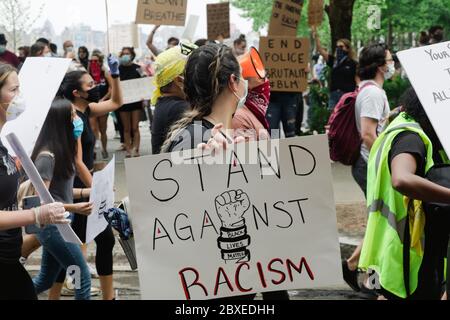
(94, 95)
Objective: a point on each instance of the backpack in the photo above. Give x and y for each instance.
(343, 136)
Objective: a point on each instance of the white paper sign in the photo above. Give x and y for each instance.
(40, 79)
(212, 231)
(102, 198)
(191, 28)
(137, 90)
(428, 69)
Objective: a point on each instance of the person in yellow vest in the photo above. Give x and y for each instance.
(397, 230)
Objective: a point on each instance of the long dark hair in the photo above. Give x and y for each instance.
(207, 74)
(57, 137)
(71, 82)
(414, 110)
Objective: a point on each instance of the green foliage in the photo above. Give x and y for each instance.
(319, 113)
(261, 10)
(394, 90)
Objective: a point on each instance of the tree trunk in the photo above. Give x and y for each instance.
(340, 13)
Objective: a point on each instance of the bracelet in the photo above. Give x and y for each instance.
(36, 212)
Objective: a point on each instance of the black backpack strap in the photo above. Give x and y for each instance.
(406, 253)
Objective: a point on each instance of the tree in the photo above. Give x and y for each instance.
(340, 14)
(17, 18)
(338, 20)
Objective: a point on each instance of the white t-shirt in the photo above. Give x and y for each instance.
(372, 102)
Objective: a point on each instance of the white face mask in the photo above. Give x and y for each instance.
(390, 72)
(69, 49)
(16, 107)
(243, 99)
(48, 55)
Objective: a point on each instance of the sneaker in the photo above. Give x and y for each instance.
(95, 292)
(105, 155)
(68, 289)
(351, 277)
(93, 272)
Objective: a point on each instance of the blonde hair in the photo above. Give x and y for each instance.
(5, 71)
(348, 44)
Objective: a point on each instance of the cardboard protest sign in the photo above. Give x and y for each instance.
(161, 12)
(315, 13)
(137, 89)
(218, 20)
(285, 18)
(39, 80)
(428, 69)
(102, 198)
(286, 60)
(264, 222)
(191, 28)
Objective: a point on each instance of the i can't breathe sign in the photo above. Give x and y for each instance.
(261, 220)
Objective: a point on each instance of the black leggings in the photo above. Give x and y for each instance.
(105, 242)
(15, 283)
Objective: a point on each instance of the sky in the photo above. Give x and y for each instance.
(64, 13)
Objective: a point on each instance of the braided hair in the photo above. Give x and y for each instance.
(207, 75)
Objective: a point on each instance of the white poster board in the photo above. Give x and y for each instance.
(191, 28)
(212, 231)
(102, 198)
(428, 69)
(40, 79)
(137, 89)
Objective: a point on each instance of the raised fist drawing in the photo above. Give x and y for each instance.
(231, 207)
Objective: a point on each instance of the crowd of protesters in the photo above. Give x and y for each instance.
(203, 84)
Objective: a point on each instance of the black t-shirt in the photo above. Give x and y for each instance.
(10, 240)
(131, 72)
(193, 135)
(87, 143)
(168, 111)
(411, 143)
(342, 75)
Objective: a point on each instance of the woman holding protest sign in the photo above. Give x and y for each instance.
(130, 114)
(343, 68)
(80, 89)
(215, 89)
(15, 282)
(54, 157)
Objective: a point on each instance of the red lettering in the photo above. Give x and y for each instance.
(194, 283)
(299, 269)
(218, 284)
(237, 276)
(281, 273)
